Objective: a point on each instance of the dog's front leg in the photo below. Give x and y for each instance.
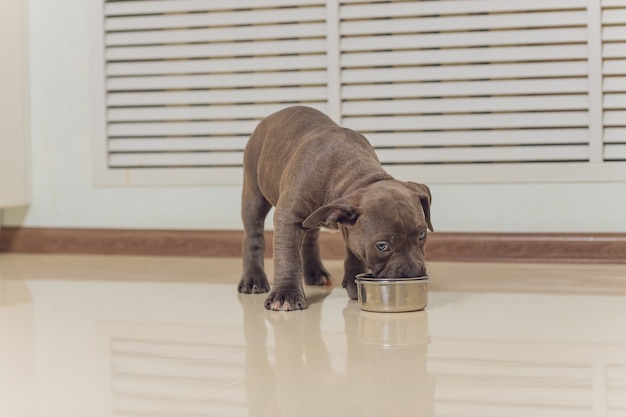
(352, 266)
(287, 291)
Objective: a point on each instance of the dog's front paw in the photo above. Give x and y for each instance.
(253, 283)
(285, 299)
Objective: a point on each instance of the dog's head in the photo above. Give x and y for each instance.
(385, 225)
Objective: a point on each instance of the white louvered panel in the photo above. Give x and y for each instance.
(184, 73)
(424, 74)
(614, 85)
(440, 81)
(484, 154)
(465, 72)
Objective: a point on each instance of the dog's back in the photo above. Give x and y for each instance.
(300, 137)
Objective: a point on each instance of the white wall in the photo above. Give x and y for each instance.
(14, 150)
(64, 195)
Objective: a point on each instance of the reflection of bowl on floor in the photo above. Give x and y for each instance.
(392, 295)
(389, 330)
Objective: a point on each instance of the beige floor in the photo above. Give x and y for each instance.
(87, 336)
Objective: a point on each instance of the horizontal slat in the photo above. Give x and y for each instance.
(209, 66)
(189, 144)
(614, 101)
(253, 111)
(461, 23)
(430, 8)
(615, 152)
(290, 15)
(464, 39)
(614, 50)
(484, 154)
(614, 33)
(402, 139)
(448, 56)
(466, 105)
(615, 118)
(613, 16)
(613, 3)
(481, 137)
(614, 84)
(175, 159)
(249, 95)
(125, 8)
(262, 79)
(615, 135)
(614, 67)
(137, 53)
(183, 128)
(466, 72)
(468, 121)
(499, 87)
(218, 34)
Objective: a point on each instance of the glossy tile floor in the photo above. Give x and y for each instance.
(87, 336)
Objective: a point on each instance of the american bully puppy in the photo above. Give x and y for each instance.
(319, 174)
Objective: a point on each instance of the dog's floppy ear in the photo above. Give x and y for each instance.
(330, 215)
(425, 197)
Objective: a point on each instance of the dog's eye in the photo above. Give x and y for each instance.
(422, 235)
(382, 246)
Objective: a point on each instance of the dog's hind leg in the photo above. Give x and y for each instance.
(254, 209)
(313, 269)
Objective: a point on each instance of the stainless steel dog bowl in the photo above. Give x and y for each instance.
(392, 295)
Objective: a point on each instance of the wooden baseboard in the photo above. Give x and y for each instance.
(487, 247)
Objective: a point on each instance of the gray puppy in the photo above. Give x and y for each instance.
(319, 174)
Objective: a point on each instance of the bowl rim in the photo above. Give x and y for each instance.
(367, 277)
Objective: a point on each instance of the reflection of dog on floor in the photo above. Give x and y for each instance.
(377, 380)
(318, 174)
